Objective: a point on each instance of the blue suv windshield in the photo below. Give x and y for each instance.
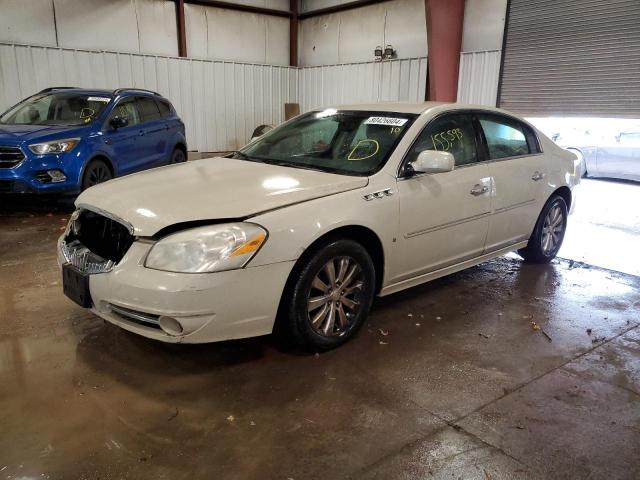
(60, 108)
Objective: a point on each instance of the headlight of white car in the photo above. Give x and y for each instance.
(213, 248)
(55, 146)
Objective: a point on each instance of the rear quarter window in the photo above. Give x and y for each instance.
(165, 108)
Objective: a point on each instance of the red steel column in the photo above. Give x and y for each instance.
(182, 36)
(293, 33)
(444, 41)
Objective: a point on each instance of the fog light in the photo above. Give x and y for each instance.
(170, 326)
(56, 176)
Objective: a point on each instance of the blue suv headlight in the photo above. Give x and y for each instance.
(54, 146)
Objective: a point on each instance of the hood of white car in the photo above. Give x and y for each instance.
(209, 189)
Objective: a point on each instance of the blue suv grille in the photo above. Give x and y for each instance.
(10, 156)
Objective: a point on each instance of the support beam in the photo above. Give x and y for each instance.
(339, 8)
(444, 40)
(240, 8)
(293, 34)
(182, 31)
(504, 49)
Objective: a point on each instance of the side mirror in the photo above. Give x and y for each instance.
(118, 122)
(433, 161)
(260, 130)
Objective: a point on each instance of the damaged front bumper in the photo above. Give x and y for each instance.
(182, 307)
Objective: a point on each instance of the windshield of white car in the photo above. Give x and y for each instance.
(344, 142)
(65, 109)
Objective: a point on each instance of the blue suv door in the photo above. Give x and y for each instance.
(153, 133)
(123, 142)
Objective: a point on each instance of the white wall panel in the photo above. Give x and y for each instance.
(311, 5)
(273, 4)
(96, 24)
(406, 28)
(147, 26)
(32, 24)
(318, 41)
(352, 35)
(403, 80)
(157, 26)
(478, 78)
(483, 25)
(361, 30)
(224, 34)
(277, 40)
(220, 102)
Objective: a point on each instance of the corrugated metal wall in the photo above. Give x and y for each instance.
(404, 79)
(220, 102)
(478, 79)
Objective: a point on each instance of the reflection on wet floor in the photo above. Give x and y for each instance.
(460, 386)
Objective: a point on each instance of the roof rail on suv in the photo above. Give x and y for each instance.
(55, 88)
(120, 90)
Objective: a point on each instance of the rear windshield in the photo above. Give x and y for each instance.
(60, 108)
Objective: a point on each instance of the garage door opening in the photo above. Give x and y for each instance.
(604, 229)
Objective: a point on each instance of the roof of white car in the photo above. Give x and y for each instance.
(409, 107)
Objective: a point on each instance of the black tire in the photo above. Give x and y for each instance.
(177, 156)
(347, 318)
(544, 244)
(96, 172)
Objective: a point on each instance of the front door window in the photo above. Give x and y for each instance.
(450, 133)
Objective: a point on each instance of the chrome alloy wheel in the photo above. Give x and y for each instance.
(552, 230)
(333, 302)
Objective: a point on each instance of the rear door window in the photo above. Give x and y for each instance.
(505, 137)
(148, 109)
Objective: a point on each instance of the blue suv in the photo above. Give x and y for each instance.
(68, 139)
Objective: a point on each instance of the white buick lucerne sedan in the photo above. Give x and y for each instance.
(301, 228)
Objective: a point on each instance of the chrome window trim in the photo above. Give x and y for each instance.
(400, 176)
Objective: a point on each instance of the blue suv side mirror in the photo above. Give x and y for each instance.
(118, 122)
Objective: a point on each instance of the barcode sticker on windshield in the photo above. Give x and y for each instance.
(99, 99)
(389, 121)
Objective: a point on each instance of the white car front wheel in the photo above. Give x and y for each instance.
(332, 295)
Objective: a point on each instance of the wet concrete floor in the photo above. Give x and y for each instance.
(447, 380)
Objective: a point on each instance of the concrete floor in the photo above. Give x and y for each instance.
(447, 380)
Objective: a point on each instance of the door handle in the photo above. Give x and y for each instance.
(537, 176)
(479, 189)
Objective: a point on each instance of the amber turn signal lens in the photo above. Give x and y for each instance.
(251, 246)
